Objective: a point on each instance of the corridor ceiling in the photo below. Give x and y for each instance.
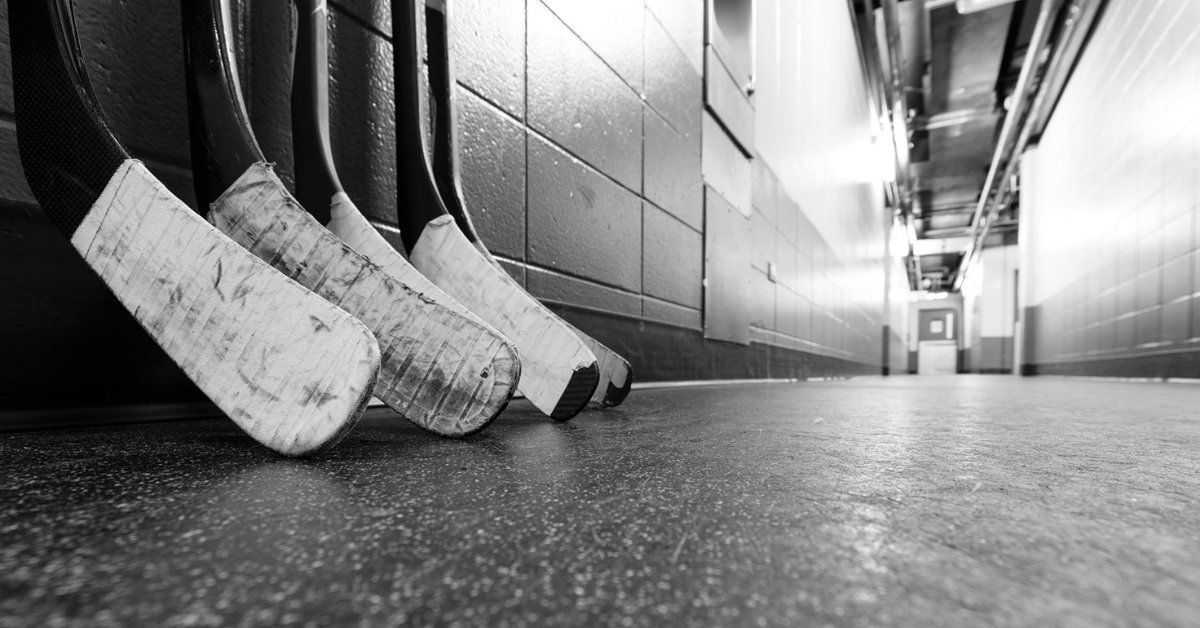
(959, 69)
(945, 76)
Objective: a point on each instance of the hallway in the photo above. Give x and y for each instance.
(958, 500)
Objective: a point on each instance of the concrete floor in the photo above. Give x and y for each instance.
(951, 501)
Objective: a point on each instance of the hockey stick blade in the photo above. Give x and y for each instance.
(616, 376)
(318, 187)
(439, 370)
(560, 372)
(291, 370)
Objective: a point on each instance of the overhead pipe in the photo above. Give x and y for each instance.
(1002, 154)
(898, 114)
(897, 97)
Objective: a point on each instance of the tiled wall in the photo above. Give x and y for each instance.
(600, 106)
(1109, 201)
(818, 215)
(582, 133)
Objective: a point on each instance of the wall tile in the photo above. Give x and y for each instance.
(580, 222)
(762, 243)
(673, 88)
(362, 125)
(595, 115)
(492, 152)
(672, 170)
(1177, 278)
(787, 305)
(374, 13)
(684, 20)
(1148, 326)
(762, 300)
(548, 285)
(673, 258)
(612, 29)
(1177, 320)
(726, 270)
(786, 258)
(727, 101)
(489, 51)
(1149, 289)
(765, 190)
(788, 218)
(726, 170)
(670, 313)
(139, 83)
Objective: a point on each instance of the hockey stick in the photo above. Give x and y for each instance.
(318, 187)
(616, 376)
(560, 371)
(291, 370)
(439, 370)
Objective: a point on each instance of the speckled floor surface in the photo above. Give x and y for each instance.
(905, 501)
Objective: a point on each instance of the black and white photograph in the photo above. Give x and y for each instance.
(627, 313)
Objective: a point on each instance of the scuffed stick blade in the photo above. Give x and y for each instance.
(290, 369)
(349, 224)
(293, 371)
(560, 372)
(439, 369)
(616, 376)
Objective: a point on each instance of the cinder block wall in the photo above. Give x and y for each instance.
(1109, 203)
(581, 127)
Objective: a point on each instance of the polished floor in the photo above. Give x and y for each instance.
(952, 501)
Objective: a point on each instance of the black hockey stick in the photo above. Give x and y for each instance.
(616, 376)
(293, 371)
(560, 370)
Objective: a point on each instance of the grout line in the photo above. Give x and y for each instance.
(524, 122)
(357, 19)
(636, 92)
(546, 138)
(642, 183)
(555, 271)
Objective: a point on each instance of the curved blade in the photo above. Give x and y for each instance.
(441, 371)
(291, 370)
(616, 376)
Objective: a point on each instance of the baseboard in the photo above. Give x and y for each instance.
(660, 352)
(1178, 365)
